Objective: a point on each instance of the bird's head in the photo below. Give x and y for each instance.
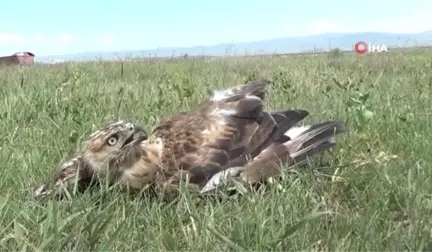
(109, 145)
(108, 148)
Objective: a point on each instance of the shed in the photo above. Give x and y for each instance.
(19, 58)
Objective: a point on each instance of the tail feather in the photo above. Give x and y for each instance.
(288, 118)
(284, 120)
(313, 137)
(307, 143)
(271, 128)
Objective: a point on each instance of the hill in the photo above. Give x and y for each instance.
(321, 42)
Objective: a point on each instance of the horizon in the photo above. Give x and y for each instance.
(81, 26)
(228, 43)
(153, 53)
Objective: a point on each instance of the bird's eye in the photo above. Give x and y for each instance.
(112, 140)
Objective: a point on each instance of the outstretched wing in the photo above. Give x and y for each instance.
(303, 143)
(224, 132)
(271, 129)
(204, 140)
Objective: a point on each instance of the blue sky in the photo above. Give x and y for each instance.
(49, 27)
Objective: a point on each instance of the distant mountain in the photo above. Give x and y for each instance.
(321, 42)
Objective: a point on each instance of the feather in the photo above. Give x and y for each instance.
(256, 88)
(304, 142)
(308, 142)
(229, 135)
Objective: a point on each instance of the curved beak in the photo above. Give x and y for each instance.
(139, 133)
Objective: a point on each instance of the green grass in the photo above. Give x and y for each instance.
(379, 197)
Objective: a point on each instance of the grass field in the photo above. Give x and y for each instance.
(375, 193)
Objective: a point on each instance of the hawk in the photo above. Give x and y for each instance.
(230, 134)
(98, 157)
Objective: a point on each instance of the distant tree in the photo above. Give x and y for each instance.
(336, 52)
(334, 57)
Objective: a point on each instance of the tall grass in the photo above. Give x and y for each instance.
(377, 195)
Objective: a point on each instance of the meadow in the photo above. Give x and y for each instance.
(373, 192)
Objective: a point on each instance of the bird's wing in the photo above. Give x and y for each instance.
(74, 170)
(304, 142)
(204, 140)
(271, 129)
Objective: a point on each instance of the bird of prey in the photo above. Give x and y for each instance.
(99, 156)
(229, 134)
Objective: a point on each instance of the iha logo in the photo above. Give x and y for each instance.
(362, 47)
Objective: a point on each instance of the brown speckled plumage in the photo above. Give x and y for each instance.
(228, 131)
(103, 149)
